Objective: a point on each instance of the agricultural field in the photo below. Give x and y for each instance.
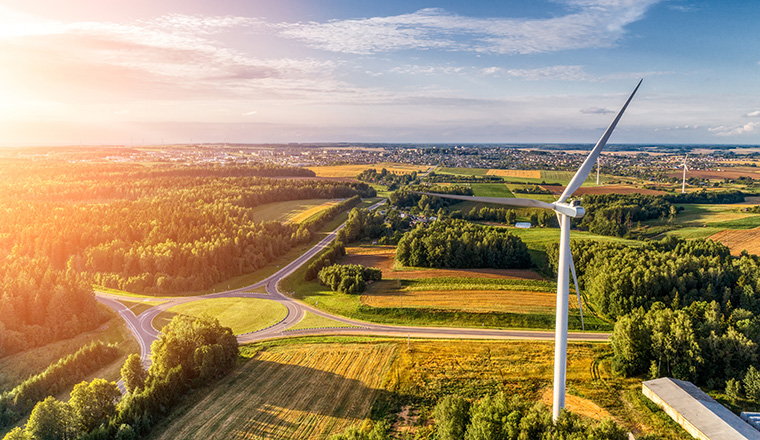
(312, 321)
(294, 211)
(310, 388)
(351, 171)
(303, 391)
(739, 240)
(243, 315)
(491, 190)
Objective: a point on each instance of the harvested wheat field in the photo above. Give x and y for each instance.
(384, 257)
(739, 240)
(305, 214)
(355, 170)
(607, 189)
(531, 174)
(510, 301)
(577, 405)
(306, 391)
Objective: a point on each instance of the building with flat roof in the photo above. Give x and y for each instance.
(699, 414)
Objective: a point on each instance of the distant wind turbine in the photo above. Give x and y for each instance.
(598, 165)
(565, 211)
(683, 183)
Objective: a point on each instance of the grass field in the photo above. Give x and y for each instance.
(311, 320)
(243, 315)
(351, 171)
(491, 190)
(293, 211)
(531, 174)
(310, 388)
(304, 391)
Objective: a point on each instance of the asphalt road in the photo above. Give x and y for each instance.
(143, 330)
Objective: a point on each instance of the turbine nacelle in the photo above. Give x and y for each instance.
(572, 209)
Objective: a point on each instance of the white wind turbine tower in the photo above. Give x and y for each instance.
(683, 183)
(598, 165)
(565, 211)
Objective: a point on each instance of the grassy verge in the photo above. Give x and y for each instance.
(137, 307)
(311, 320)
(243, 315)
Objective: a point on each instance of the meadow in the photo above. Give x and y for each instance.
(242, 315)
(309, 388)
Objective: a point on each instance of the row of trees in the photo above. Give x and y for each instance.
(405, 198)
(456, 243)
(330, 256)
(16, 403)
(189, 353)
(389, 179)
(614, 214)
(349, 278)
(501, 417)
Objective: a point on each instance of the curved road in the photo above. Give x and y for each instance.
(142, 326)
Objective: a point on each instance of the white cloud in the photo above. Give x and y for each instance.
(596, 111)
(428, 70)
(565, 73)
(736, 130)
(589, 24)
(753, 114)
(251, 113)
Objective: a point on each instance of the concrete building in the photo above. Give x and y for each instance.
(699, 414)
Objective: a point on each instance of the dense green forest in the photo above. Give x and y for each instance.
(456, 243)
(157, 229)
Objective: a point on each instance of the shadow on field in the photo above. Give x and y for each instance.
(271, 400)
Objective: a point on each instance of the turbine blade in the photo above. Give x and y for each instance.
(585, 169)
(577, 290)
(528, 203)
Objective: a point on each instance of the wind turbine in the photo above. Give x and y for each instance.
(683, 183)
(598, 165)
(565, 211)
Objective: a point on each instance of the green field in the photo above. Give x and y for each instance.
(491, 190)
(310, 388)
(243, 315)
(312, 320)
(285, 211)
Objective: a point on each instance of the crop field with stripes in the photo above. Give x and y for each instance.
(306, 391)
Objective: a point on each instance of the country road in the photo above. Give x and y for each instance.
(143, 330)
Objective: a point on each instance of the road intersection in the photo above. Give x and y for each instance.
(145, 333)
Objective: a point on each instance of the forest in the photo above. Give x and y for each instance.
(156, 229)
(459, 244)
(348, 278)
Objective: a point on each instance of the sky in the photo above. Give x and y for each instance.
(412, 71)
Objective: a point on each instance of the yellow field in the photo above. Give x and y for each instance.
(531, 174)
(307, 391)
(512, 301)
(303, 215)
(739, 240)
(352, 171)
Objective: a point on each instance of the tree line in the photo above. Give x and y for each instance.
(391, 180)
(15, 404)
(459, 244)
(498, 417)
(189, 353)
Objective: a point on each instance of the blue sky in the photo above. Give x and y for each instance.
(111, 72)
